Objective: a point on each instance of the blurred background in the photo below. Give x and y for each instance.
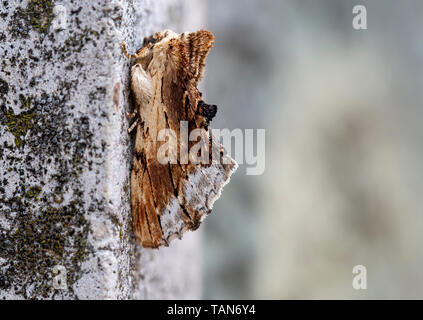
(343, 181)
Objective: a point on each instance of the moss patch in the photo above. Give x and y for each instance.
(33, 192)
(40, 14)
(40, 241)
(19, 124)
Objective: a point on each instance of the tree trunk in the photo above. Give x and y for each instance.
(65, 219)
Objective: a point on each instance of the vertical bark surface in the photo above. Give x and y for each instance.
(65, 221)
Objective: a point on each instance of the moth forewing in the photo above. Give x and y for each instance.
(170, 198)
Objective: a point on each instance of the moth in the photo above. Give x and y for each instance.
(169, 198)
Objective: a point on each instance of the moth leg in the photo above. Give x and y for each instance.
(134, 125)
(141, 54)
(132, 115)
(125, 52)
(166, 243)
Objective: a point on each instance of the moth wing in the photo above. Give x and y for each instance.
(197, 186)
(169, 199)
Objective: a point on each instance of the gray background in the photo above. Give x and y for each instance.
(342, 113)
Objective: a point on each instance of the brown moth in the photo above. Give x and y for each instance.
(170, 198)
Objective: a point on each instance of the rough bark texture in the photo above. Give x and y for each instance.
(65, 155)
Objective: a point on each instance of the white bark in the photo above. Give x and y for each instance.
(65, 154)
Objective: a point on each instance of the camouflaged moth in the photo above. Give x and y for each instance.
(169, 198)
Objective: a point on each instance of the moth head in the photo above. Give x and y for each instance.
(156, 42)
(165, 35)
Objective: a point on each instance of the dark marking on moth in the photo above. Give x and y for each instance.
(175, 191)
(191, 51)
(154, 200)
(186, 107)
(152, 191)
(161, 90)
(141, 157)
(180, 166)
(161, 228)
(148, 222)
(147, 41)
(207, 110)
(167, 120)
